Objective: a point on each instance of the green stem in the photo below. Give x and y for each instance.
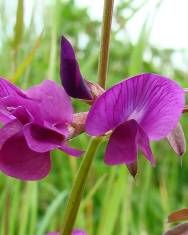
(78, 187)
(79, 183)
(105, 41)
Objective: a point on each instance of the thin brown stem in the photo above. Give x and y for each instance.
(105, 41)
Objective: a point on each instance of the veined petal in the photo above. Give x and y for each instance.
(8, 89)
(123, 145)
(18, 161)
(71, 77)
(155, 102)
(55, 104)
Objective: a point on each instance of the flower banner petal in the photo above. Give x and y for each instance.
(18, 161)
(122, 146)
(55, 104)
(8, 89)
(71, 77)
(155, 102)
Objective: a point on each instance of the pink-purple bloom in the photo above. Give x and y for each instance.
(142, 108)
(75, 232)
(35, 122)
(71, 77)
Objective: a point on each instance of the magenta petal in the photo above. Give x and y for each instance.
(71, 77)
(8, 89)
(122, 146)
(78, 232)
(27, 108)
(55, 104)
(155, 102)
(22, 115)
(143, 142)
(5, 115)
(41, 139)
(8, 130)
(18, 161)
(71, 151)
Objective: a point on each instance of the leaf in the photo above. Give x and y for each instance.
(20, 70)
(93, 190)
(181, 229)
(18, 28)
(50, 213)
(178, 215)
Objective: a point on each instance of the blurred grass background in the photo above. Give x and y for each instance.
(114, 203)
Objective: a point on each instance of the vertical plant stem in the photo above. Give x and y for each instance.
(79, 183)
(78, 187)
(105, 41)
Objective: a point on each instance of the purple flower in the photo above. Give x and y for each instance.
(143, 108)
(75, 232)
(35, 122)
(71, 77)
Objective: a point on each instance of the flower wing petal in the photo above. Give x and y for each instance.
(41, 139)
(122, 146)
(17, 160)
(8, 130)
(71, 77)
(143, 142)
(55, 104)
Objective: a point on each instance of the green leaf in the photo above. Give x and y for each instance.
(50, 213)
(19, 26)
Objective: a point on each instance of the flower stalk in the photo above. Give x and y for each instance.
(79, 183)
(105, 41)
(78, 187)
